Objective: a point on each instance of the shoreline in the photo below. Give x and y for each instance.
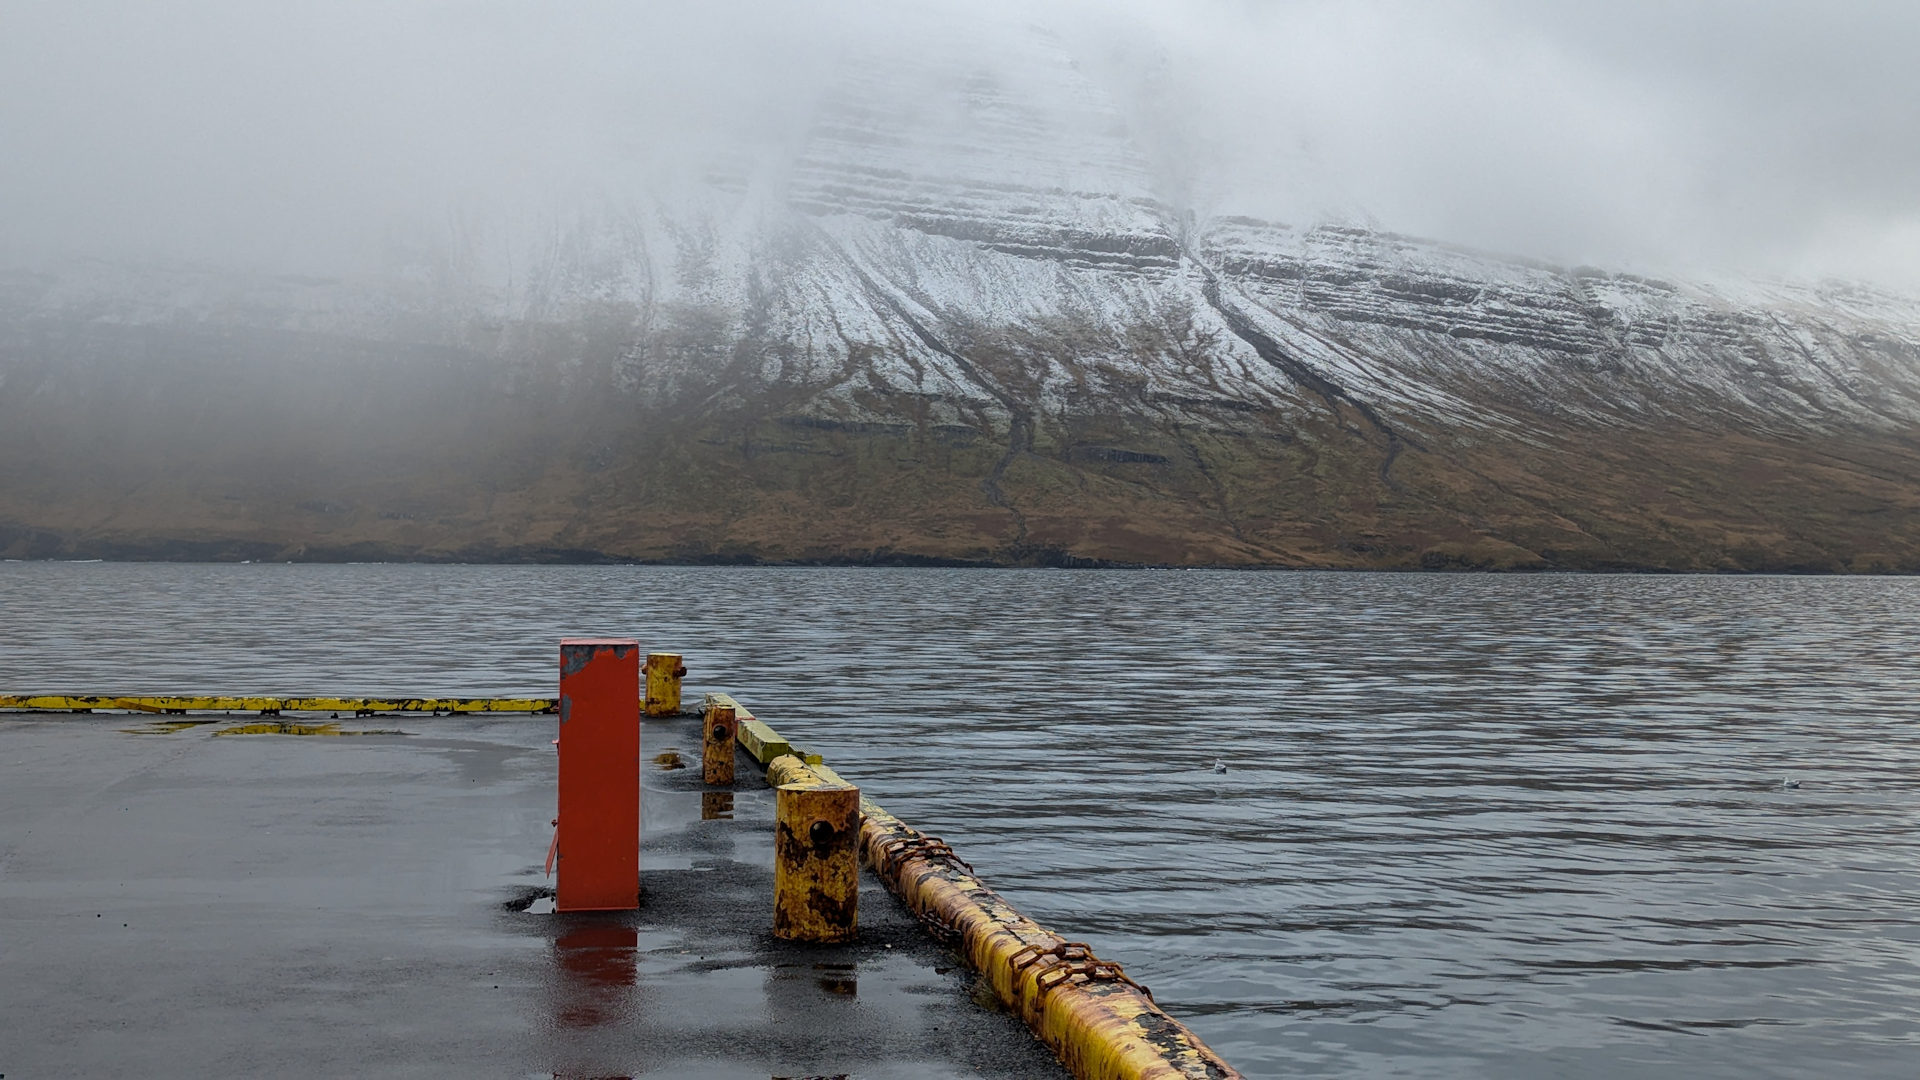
(931, 563)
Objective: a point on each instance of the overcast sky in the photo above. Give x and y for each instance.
(1769, 138)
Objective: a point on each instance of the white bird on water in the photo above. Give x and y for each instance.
(1789, 782)
(1219, 766)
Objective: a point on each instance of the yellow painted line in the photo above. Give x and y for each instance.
(1101, 1024)
(210, 703)
(762, 743)
(139, 706)
(740, 711)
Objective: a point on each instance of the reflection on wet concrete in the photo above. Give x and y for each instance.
(278, 727)
(166, 727)
(598, 968)
(838, 978)
(716, 806)
(802, 993)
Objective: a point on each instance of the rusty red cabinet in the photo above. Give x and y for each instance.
(597, 837)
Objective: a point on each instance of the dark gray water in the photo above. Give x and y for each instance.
(1472, 826)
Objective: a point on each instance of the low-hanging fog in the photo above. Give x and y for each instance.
(1741, 135)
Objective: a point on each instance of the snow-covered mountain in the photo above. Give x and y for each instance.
(962, 319)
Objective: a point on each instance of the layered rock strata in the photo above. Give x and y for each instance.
(962, 324)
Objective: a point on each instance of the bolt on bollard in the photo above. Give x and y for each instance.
(664, 671)
(716, 753)
(597, 832)
(816, 877)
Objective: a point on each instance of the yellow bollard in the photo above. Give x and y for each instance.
(664, 670)
(816, 876)
(716, 754)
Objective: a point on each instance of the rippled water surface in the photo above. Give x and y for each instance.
(1471, 826)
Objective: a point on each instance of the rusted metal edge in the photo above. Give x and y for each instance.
(1100, 1023)
(364, 706)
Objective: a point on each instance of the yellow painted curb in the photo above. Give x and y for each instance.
(364, 706)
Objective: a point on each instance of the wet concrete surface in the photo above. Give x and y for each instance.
(179, 903)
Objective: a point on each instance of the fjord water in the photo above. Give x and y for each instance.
(1471, 826)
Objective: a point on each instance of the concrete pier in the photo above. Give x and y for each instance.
(173, 903)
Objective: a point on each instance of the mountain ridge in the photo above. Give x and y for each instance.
(959, 326)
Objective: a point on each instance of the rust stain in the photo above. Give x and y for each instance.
(816, 881)
(717, 749)
(1101, 1024)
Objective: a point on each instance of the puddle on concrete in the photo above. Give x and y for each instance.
(716, 806)
(537, 899)
(838, 978)
(279, 727)
(670, 760)
(599, 967)
(166, 727)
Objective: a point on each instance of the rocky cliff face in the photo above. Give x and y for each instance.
(962, 323)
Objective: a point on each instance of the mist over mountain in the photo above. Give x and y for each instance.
(1070, 286)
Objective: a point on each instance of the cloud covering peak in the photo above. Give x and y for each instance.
(1763, 138)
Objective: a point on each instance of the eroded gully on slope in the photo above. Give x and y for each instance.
(1020, 418)
(1333, 394)
(1326, 389)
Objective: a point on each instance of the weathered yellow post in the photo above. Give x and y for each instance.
(816, 876)
(664, 670)
(716, 756)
